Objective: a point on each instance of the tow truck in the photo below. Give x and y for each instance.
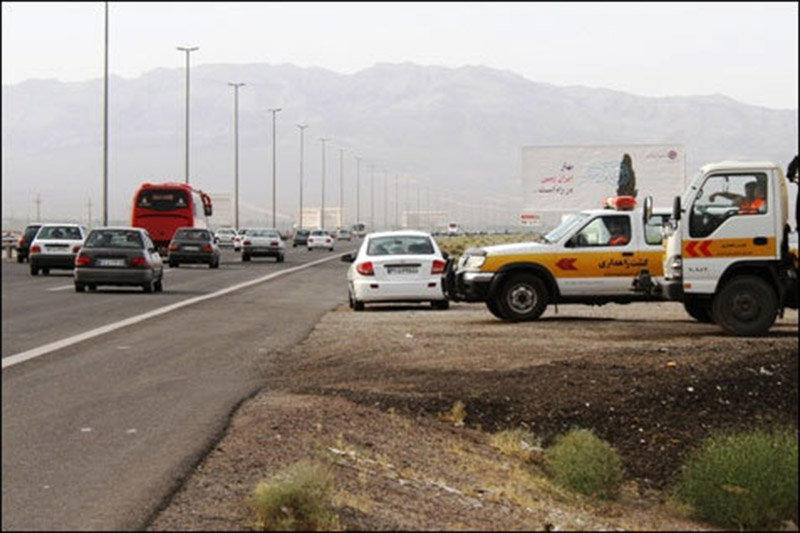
(731, 255)
(592, 257)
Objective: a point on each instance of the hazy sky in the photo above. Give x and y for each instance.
(747, 51)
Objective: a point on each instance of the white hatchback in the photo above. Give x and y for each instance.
(396, 266)
(55, 246)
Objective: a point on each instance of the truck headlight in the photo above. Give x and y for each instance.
(674, 267)
(472, 260)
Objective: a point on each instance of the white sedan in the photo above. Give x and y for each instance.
(320, 238)
(396, 266)
(55, 246)
(263, 242)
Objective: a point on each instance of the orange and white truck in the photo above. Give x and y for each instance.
(731, 254)
(592, 257)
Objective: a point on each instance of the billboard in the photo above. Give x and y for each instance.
(558, 180)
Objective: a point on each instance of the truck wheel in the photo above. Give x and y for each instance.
(491, 305)
(745, 306)
(699, 309)
(79, 287)
(522, 297)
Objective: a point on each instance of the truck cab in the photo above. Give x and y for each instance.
(731, 254)
(592, 257)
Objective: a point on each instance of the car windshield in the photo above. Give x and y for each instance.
(318, 233)
(565, 227)
(60, 232)
(114, 239)
(400, 245)
(263, 233)
(192, 235)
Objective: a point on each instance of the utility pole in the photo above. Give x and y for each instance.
(396, 202)
(236, 153)
(274, 112)
(301, 127)
(105, 124)
(322, 204)
(358, 190)
(341, 187)
(188, 51)
(372, 200)
(38, 203)
(385, 200)
(89, 204)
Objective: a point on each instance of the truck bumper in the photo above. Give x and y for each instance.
(673, 290)
(468, 286)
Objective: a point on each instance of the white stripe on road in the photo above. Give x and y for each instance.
(58, 345)
(65, 287)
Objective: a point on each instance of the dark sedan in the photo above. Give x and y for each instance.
(300, 238)
(24, 243)
(119, 256)
(193, 245)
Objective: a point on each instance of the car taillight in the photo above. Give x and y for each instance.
(438, 267)
(76, 248)
(207, 248)
(139, 262)
(35, 249)
(247, 243)
(273, 243)
(22, 242)
(173, 247)
(83, 260)
(365, 268)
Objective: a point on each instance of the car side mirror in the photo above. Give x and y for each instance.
(676, 209)
(648, 209)
(348, 258)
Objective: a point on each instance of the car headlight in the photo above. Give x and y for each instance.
(674, 267)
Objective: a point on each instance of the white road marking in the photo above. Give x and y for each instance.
(63, 343)
(63, 288)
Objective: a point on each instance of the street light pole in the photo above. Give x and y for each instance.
(372, 199)
(341, 186)
(358, 190)
(236, 153)
(322, 141)
(301, 127)
(274, 112)
(188, 51)
(105, 126)
(385, 200)
(396, 203)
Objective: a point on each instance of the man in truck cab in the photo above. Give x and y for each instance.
(753, 202)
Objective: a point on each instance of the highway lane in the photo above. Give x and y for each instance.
(96, 435)
(42, 309)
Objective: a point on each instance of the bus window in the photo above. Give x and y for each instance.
(162, 200)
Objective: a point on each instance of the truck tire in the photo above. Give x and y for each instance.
(699, 309)
(745, 306)
(491, 305)
(522, 297)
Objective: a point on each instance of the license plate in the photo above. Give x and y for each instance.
(191, 248)
(111, 262)
(402, 270)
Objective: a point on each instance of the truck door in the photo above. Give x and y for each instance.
(730, 219)
(602, 258)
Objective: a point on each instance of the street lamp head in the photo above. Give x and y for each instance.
(188, 49)
(302, 126)
(274, 110)
(237, 85)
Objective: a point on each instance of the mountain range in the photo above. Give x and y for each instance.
(454, 133)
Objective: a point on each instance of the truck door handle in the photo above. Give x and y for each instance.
(760, 241)
(627, 254)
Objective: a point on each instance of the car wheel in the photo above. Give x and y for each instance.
(358, 305)
(79, 287)
(159, 285)
(34, 271)
(20, 259)
(440, 304)
(92, 286)
(148, 287)
(309, 248)
(245, 257)
(46, 271)
(491, 305)
(173, 264)
(294, 246)
(522, 297)
(331, 249)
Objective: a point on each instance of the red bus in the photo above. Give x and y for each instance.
(161, 208)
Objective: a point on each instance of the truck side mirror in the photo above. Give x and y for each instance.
(647, 212)
(676, 209)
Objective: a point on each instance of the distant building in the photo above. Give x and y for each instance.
(311, 218)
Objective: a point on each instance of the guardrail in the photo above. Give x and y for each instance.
(9, 247)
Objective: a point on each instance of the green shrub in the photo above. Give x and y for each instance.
(745, 480)
(299, 498)
(583, 462)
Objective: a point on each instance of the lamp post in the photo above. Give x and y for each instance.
(385, 200)
(341, 186)
(301, 127)
(396, 203)
(322, 141)
(236, 153)
(105, 124)
(274, 112)
(372, 199)
(188, 51)
(358, 190)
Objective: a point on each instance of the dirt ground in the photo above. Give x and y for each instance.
(365, 392)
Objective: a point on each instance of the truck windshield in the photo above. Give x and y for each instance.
(565, 227)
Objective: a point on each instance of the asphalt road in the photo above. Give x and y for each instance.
(97, 434)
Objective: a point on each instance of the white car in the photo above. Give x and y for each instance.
(55, 246)
(263, 242)
(225, 236)
(396, 266)
(238, 239)
(320, 238)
